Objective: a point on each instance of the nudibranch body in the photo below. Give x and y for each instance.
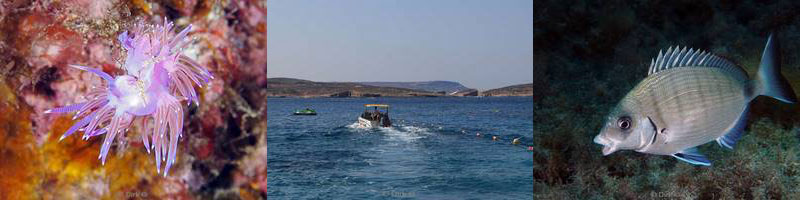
(157, 78)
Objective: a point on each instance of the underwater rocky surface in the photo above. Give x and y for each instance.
(589, 54)
(223, 151)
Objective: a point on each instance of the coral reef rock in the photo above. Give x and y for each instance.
(223, 149)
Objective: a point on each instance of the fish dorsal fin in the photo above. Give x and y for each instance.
(677, 57)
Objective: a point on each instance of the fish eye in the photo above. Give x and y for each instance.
(624, 123)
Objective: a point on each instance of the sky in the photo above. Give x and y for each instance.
(482, 44)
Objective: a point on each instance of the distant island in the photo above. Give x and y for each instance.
(514, 90)
(290, 87)
(430, 86)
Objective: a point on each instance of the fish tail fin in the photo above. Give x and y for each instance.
(769, 81)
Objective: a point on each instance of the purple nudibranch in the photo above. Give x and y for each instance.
(157, 78)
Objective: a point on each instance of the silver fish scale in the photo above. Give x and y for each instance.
(694, 105)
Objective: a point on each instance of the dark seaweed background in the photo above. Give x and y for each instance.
(589, 54)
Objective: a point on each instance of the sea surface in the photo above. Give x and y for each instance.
(432, 152)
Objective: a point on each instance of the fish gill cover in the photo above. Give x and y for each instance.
(588, 55)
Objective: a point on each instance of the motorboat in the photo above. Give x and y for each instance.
(375, 115)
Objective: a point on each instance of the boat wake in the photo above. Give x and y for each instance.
(398, 132)
(355, 126)
(405, 133)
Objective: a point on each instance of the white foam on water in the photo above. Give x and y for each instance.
(397, 132)
(405, 133)
(355, 125)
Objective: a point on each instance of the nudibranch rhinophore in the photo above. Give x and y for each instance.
(157, 78)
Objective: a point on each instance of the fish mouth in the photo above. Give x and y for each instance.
(608, 150)
(599, 139)
(608, 147)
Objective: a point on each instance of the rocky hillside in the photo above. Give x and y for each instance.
(514, 90)
(430, 86)
(289, 87)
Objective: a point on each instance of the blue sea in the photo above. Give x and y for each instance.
(431, 152)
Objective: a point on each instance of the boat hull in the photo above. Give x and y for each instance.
(364, 123)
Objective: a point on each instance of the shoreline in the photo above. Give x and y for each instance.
(290, 87)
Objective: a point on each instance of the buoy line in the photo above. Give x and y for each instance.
(516, 141)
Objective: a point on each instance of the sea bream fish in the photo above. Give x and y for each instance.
(691, 97)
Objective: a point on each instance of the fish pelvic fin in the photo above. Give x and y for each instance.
(769, 81)
(735, 133)
(692, 156)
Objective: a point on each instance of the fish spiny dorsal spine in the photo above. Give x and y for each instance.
(681, 57)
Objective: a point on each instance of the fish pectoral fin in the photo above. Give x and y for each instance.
(729, 139)
(692, 156)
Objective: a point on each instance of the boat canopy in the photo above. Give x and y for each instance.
(376, 105)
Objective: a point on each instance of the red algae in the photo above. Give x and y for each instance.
(47, 42)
